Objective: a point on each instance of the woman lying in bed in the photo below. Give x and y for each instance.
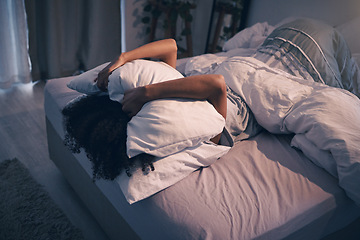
(107, 119)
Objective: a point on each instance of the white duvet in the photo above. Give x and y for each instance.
(325, 120)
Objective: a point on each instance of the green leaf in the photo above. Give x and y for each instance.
(145, 20)
(156, 13)
(147, 8)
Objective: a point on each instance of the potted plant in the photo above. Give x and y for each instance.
(170, 10)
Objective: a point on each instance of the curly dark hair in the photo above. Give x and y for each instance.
(98, 125)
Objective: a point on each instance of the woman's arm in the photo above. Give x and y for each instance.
(165, 50)
(202, 87)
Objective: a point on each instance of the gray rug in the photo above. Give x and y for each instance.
(26, 209)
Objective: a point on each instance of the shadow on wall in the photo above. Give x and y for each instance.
(332, 11)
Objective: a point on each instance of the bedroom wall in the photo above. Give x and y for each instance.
(272, 11)
(332, 11)
(134, 29)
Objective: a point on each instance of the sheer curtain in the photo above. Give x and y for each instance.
(67, 35)
(14, 60)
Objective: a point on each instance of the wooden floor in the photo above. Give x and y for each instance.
(23, 136)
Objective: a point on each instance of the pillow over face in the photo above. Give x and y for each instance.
(167, 126)
(162, 127)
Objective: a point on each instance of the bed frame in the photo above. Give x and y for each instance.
(104, 211)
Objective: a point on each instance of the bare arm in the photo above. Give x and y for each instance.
(165, 50)
(202, 87)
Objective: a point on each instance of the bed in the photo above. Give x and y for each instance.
(262, 188)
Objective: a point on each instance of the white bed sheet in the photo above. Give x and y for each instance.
(261, 189)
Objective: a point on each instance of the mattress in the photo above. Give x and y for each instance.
(261, 189)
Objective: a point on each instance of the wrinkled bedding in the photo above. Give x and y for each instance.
(279, 81)
(324, 119)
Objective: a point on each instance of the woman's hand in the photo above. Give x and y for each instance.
(133, 100)
(165, 50)
(102, 80)
(210, 87)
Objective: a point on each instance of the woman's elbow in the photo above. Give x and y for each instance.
(172, 43)
(218, 89)
(218, 97)
(220, 83)
(170, 56)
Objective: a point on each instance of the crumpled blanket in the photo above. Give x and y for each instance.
(324, 119)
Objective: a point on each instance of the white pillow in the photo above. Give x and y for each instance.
(84, 83)
(163, 127)
(168, 171)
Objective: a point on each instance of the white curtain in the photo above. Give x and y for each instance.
(14, 59)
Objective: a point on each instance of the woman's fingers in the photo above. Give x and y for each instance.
(102, 80)
(133, 101)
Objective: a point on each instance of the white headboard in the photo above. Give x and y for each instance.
(335, 12)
